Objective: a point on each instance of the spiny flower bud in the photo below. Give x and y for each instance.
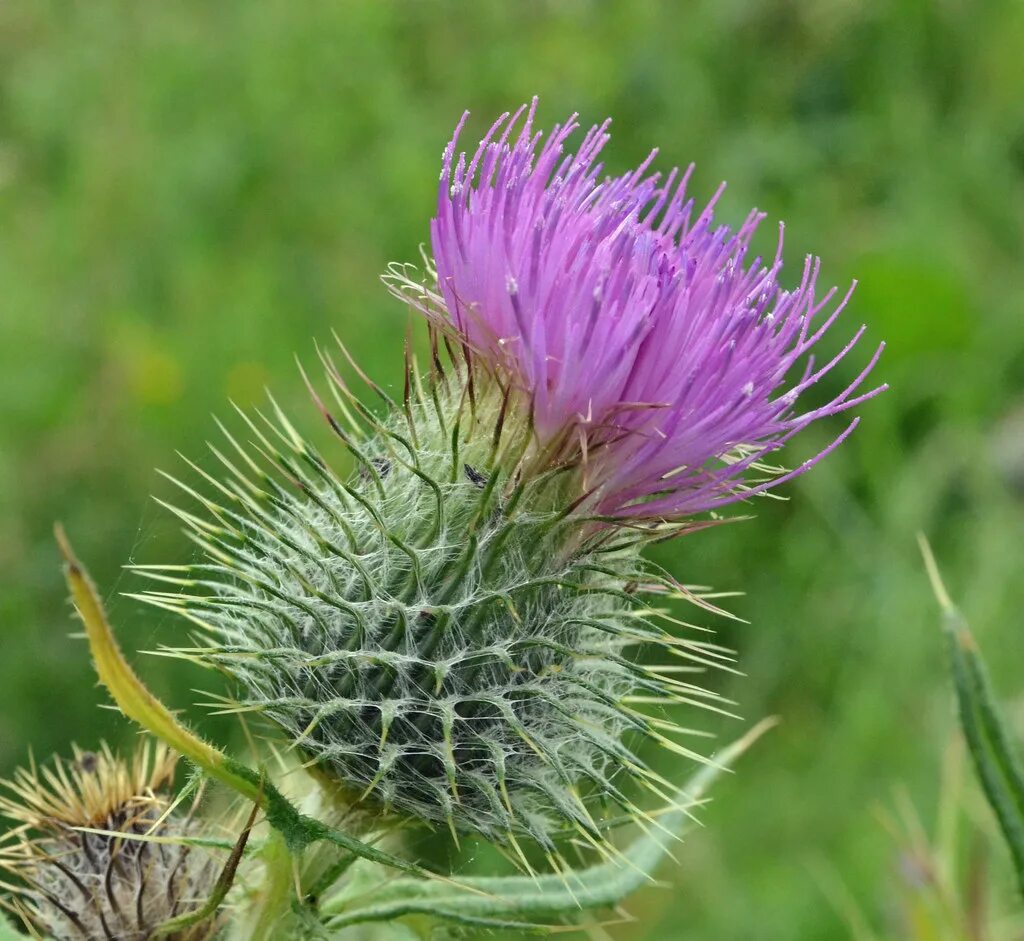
(435, 632)
(83, 872)
(452, 631)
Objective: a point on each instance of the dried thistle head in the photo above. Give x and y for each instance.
(95, 851)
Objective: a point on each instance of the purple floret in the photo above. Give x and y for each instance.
(643, 335)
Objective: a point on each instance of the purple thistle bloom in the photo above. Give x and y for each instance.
(644, 337)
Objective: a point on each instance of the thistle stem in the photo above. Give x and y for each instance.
(275, 894)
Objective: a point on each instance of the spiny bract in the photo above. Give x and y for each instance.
(439, 633)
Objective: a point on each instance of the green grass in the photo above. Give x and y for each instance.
(191, 193)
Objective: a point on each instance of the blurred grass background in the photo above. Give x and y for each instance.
(190, 193)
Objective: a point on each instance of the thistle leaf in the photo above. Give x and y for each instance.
(996, 761)
(127, 690)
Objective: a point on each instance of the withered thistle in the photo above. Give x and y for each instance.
(97, 852)
(450, 632)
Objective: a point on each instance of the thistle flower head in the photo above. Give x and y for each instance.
(82, 872)
(645, 336)
(430, 630)
(439, 631)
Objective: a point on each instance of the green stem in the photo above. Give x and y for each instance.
(275, 894)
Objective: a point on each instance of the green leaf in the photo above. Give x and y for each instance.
(523, 902)
(995, 760)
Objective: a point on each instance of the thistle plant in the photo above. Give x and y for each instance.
(448, 632)
(450, 616)
(98, 852)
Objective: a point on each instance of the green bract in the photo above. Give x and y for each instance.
(438, 630)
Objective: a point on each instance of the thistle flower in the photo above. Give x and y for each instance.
(82, 872)
(644, 336)
(444, 632)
